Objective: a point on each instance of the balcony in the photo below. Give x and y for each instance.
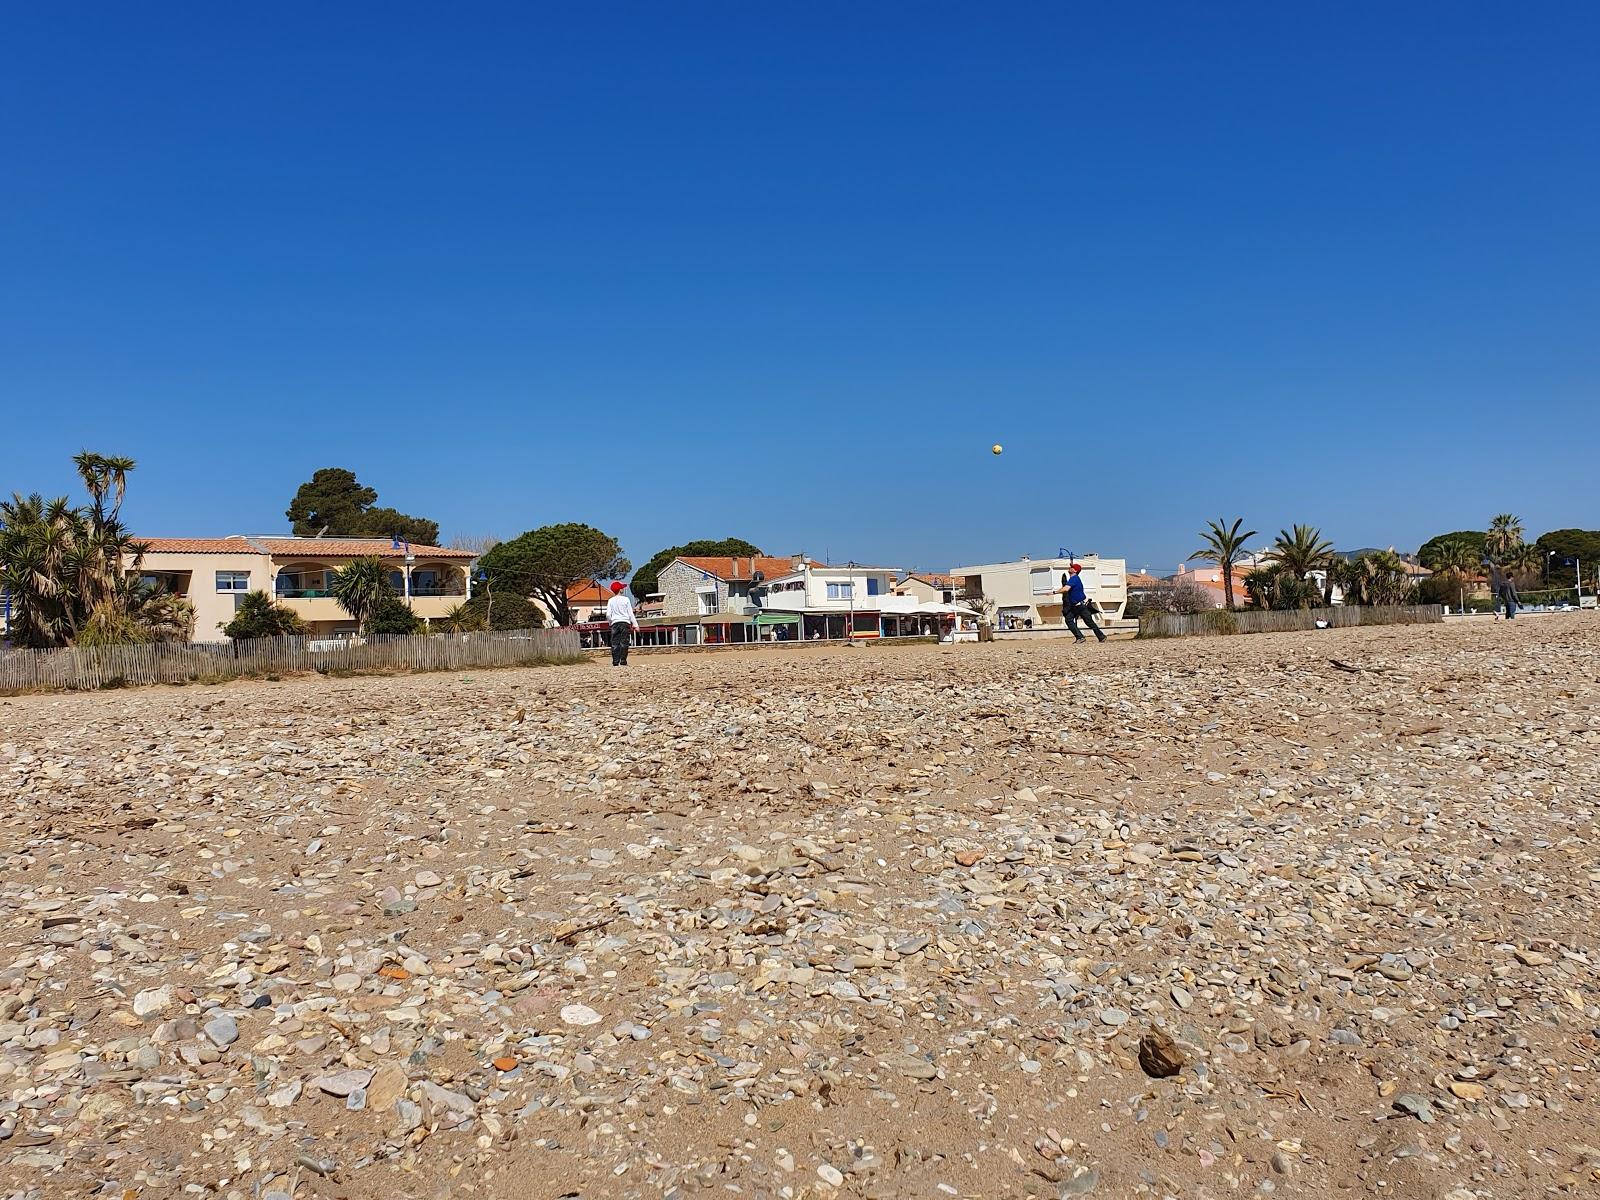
(312, 605)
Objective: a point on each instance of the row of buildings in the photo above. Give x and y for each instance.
(701, 601)
(712, 600)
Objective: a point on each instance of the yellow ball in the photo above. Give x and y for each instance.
(997, 447)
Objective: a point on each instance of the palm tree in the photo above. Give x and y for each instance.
(1455, 556)
(38, 545)
(1224, 545)
(1301, 550)
(1260, 585)
(360, 588)
(103, 474)
(1376, 578)
(66, 567)
(1504, 536)
(1524, 561)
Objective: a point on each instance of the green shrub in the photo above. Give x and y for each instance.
(260, 616)
(391, 616)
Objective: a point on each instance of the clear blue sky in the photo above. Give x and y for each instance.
(787, 271)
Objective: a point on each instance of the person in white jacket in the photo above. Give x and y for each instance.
(619, 611)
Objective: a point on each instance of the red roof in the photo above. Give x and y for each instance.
(730, 568)
(355, 548)
(227, 545)
(588, 592)
(293, 547)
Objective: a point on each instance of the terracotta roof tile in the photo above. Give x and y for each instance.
(182, 545)
(743, 567)
(354, 548)
(298, 547)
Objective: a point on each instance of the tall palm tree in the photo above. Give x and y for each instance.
(1301, 550)
(1504, 536)
(104, 474)
(360, 588)
(1224, 545)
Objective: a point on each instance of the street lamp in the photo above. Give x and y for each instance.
(488, 603)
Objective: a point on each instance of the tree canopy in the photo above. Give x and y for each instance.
(543, 563)
(1580, 544)
(334, 502)
(646, 578)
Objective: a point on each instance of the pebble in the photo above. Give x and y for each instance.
(223, 1030)
(152, 1002)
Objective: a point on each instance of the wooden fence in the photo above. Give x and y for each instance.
(169, 662)
(1218, 621)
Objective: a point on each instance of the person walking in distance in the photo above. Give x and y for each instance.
(1075, 604)
(619, 611)
(1508, 596)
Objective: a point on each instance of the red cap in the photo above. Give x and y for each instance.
(617, 585)
(1076, 567)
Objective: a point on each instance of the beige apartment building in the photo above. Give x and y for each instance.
(214, 574)
(1024, 590)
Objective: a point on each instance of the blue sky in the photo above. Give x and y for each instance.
(786, 272)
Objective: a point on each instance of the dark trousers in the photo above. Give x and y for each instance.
(621, 633)
(1082, 612)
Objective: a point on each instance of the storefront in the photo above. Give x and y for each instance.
(777, 627)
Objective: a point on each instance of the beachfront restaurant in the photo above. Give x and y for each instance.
(706, 629)
(913, 620)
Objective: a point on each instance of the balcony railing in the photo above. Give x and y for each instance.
(285, 593)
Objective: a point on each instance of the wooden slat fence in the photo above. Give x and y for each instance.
(81, 668)
(1159, 625)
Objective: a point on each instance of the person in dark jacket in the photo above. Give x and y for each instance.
(1508, 597)
(1075, 604)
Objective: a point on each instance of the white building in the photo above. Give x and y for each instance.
(1024, 589)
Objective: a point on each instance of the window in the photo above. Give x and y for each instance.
(709, 603)
(1043, 580)
(233, 581)
(874, 585)
(841, 591)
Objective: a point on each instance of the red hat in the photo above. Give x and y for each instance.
(617, 585)
(1076, 567)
